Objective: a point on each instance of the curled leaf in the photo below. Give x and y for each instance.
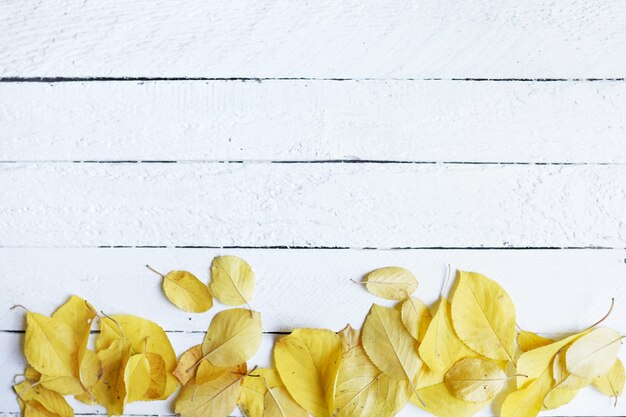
(475, 380)
(232, 280)
(187, 364)
(392, 283)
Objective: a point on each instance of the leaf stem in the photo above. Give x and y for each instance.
(155, 271)
(605, 316)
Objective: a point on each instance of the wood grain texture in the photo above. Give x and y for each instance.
(314, 120)
(345, 205)
(529, 39)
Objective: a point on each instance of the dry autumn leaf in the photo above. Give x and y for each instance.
(50, 347)
(483, 316)
(232, 280)
(416, 317)
(527, 401)
(611, 384)
(307, 361)
(51, 401)
(529, 341)
(136, 377)
(475, 380)
(254, 387)
(158, 377)
(186, 291)
(441, 403)
(278, 403)
(392, 283)
(593, 354)
(187, 364)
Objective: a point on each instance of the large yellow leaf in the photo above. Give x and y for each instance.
(233, 337)
(216, 398)
(143, 336)
(475, 380)
(255, 386)
(483, 316)
(307, 361)
(390, 346)
(561, 376)
(52, 401)
(232, 280)
(365, 391)
(392, 283)
(558, 396)
(527, 401)
(188, 363)
(186, 291)
(207, 372)
(441, 403)
(416, 317)
(35, 409)
(611, 384)
(529, 341)
(593, 354)
(136, 377)
(50, 347)
(441, 347)
(278, 403)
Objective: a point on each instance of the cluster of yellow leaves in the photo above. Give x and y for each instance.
(452, 359)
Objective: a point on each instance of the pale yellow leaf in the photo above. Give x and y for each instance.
(136, 377)
(307, 361)
(232, 280)
(52, 401)
(217, 398)
(187, 292)
(233, 337)
(611, 384)
(188, 364)
(562, 378)
(50, 346)
(441, 347)
(416, 317)
(441, 403)
(475, 380)
(483, 316)
(558, 396)
(349, 338)
(593, 354)
(527, 401)
(529, 341)
(278, 403)
(392, 283)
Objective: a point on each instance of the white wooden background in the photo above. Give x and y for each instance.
(318, 140)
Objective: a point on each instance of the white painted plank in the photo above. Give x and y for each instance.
(353, 205)
(312, 288)
(588, 402)
(314, 120)
(228, 38)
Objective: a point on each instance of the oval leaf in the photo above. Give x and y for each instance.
(593, 354)
(392, 283)
(416, 317)
(483, 316)
(233, 337)
(278, 403)
(50, 347)
(187, 292)
(232, 280)
(611, 384)
(475, 380)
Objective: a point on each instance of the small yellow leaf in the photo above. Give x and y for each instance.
(558, 396)
(254, 387)
(207, 372)
(233, 337)
(529, 341)
(187, 292)
(475, 380)
(51, 401)
(527, 401)
(217, 398)
(31, 374)
(307, 361)
(441, 403)
(50, 346)
(390, 346)
(363, 390)
(416, 317)
(232, 280)
(110, 390)
(483, 316)
(562, 378)
(187, 364)
(158, 377)
(392, 283)
(441, 347)
(611, 384)
(350, 338)
(278, 403)
(136, 377)
(594, 354)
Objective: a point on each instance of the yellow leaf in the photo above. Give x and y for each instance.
(350, 338)
(390, 346)
(475, 380)
(307, 361)
(143, 336)
(527, 401)
(64, 385)
(441, 347)
(34, 409)
(533, 363)
(558, 396)
(188, 363)
(110, 390)
(207, 372)
(187, 292)
(232, 280)
(363, 390)
(254, 387)
(217, 398)
(392, 283)
(441, 403)
(52, 401)
(483, 316)
(136, 377)
(611, 384)
(416, 317)
(158, 377)
(278, 403)
(562, 378)
(593, 354)
(49, 346)
(529, 341)
(89, 375)
(233, 337)
(31, 374)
